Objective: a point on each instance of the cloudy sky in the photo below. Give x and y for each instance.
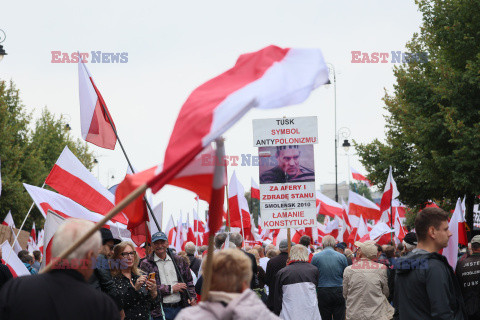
(174, 46)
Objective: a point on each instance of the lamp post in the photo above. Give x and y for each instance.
(342, 133)
(2, 38)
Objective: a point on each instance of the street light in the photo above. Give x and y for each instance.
(2, 38)
(342, 133)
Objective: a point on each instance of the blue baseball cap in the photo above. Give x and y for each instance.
(159, 236)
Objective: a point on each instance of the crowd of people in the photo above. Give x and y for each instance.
(409, 280)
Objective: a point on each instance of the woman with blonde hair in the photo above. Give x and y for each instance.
(132, 291)
(230, 296)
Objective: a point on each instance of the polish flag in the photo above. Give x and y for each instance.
(344, 229)
(332, 227)
(361, 206)
(52, 222)
(70, 178)
(32, 240)
(400, 230)
(360, 177)
(328, 207)
(190, 233)
(179, 235)
(359, 231)
(389, 193)
(171, 232)
(270, 78)
(255, 191)
(238, 205)
(61, 205)
(459, 235)
(94, 115)
(378, 231)
(9, 220)
(14, 264)
(198, 229)
(41, 237)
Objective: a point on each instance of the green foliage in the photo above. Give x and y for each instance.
(433, 122)
(27, 154)
(254, 207)
(362, 189)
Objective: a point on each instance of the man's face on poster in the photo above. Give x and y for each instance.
(289, 161)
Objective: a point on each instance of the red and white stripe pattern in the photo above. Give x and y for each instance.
(328, 207)
(171, 232)
(32, 240)
(8, 221)
(52, 222)
(270, 78)
(360, 177)
(358, 231)
(14, 264)
(47, 200)
(390, 192)
(459, 235)
(96, 127)
(361, 206)
(238, 205)
(70, 178)
(255, 191)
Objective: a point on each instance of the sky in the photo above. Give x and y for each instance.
(175, 46)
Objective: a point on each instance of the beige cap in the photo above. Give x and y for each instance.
(475, 239)
(369, 249)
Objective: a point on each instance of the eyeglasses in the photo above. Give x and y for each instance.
(126, 254)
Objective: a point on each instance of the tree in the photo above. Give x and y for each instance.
(433, 126)
(28, 154)
(254, 207)
(361, 188)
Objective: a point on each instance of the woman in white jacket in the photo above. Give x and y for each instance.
(230, 296)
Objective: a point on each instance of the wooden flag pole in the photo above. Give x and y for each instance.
(207, 272)
(113, 212)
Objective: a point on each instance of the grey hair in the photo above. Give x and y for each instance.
(299, 252)
(190, 247)
(408, 246)
(69, 232)
(328, 241)
(237, 239)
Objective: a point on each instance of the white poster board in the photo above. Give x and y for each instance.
(287, 171)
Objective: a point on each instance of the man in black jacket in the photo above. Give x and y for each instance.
(468, 275)
(425, 285)
(61, 293)
(273, 266)
(237, 239)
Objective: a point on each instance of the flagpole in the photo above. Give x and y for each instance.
(196, 228)
(228, 208)
(21, 227)
(128, 161)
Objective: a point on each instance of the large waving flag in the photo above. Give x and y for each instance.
(14, 264)
(361, 206)
(270, 78)
(360, 177)
(238, 205)
(8, 221)
(390, 192)
(47, 200)
(94, 115)
(70, 178)
(378, 232)
(359, 230)
(459, 235)
(328, 206)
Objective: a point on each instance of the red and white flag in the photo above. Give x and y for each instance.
(198, 229)
(400, 230)
(359, 230)
(255, 191)
(328, 207)
(70, 178)
(389, 193)
(179, 238)
(11, 260)
(94, 115)
(171, 232)
(360, 177)
(8, 221)
(47, 200)
(378, 231)
(459, 235)
(270, 78)
(32, 240)
(361, 206)
(332, 227)
(52, 222)
(41, 237)
(238, 205)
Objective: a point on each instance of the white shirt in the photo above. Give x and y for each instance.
(168, 276)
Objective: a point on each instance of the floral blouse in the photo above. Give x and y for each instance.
(135, 304)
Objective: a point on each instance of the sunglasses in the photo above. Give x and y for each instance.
(126, 254)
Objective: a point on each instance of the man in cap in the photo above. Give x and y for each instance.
(273, 266)
(288, 168)
(102, 278)
(340, 247)
(175, 293)
(365, 286)
(468, 275)
(331, 265)
(425, 284)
